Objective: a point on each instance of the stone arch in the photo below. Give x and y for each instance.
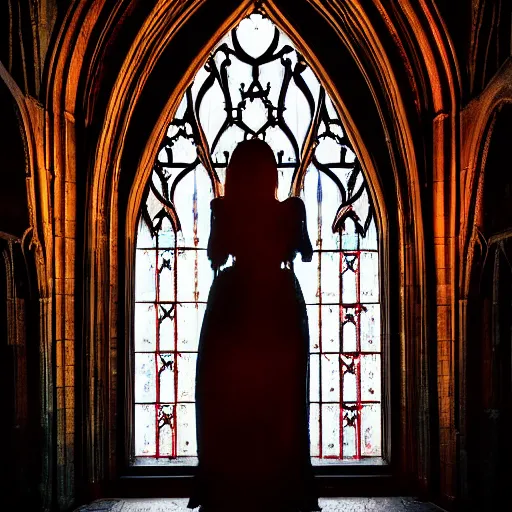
(152, 148)
(478, 124)
(488, 347)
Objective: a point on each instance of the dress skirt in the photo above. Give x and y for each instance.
(252, 395)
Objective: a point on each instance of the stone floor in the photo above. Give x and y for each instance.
(392, 504)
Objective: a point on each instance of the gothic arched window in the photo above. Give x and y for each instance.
(256, 83)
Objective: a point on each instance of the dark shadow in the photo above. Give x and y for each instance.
(13, 192)
(20, 381)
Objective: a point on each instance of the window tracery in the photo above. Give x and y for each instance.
(256, 83)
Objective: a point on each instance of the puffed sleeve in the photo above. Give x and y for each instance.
(217, 249)
(301, 239)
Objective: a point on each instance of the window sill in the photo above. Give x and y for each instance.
(351, 478)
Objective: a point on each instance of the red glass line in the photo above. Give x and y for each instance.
(176, 315)
(340, 366)
(167, 456)
(196, 239)
(344, 304)
(319, 293)
(174, 425)
(353, 353)
(354, 252)
(164, 352)
(157, 349)
(358, 358)
(347, 403)
(181, 402)
(185, 248)
(175, 302)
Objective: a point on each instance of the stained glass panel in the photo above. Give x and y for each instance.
(239, 94)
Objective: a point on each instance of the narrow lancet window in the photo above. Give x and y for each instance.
(256, 83)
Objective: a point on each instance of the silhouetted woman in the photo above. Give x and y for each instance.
(252, 366)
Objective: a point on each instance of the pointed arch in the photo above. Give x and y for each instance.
(384, 121)
(166, 170)
(478, 126)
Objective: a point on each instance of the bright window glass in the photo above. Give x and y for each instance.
(256, 83)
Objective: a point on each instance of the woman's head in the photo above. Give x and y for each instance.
(252, 172)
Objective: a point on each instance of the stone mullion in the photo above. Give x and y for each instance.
(113, 355)
(423, 414)
(64, 261)
(410, 318)
(445, 313)
(46, 394)
(69, 294)
(38, 241)
(95, 379)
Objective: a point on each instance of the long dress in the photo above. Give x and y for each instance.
(252, 367)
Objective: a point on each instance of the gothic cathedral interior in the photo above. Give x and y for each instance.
(388, 118)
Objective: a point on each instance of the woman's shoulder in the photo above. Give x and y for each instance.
(217, 204)
(294, 205)
(216, 201)
(293, 202)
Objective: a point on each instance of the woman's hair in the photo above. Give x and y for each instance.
(252, 172)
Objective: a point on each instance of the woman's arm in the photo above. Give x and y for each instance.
(301, 241)
(217, 249)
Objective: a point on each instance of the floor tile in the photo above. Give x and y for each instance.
(385, 504)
